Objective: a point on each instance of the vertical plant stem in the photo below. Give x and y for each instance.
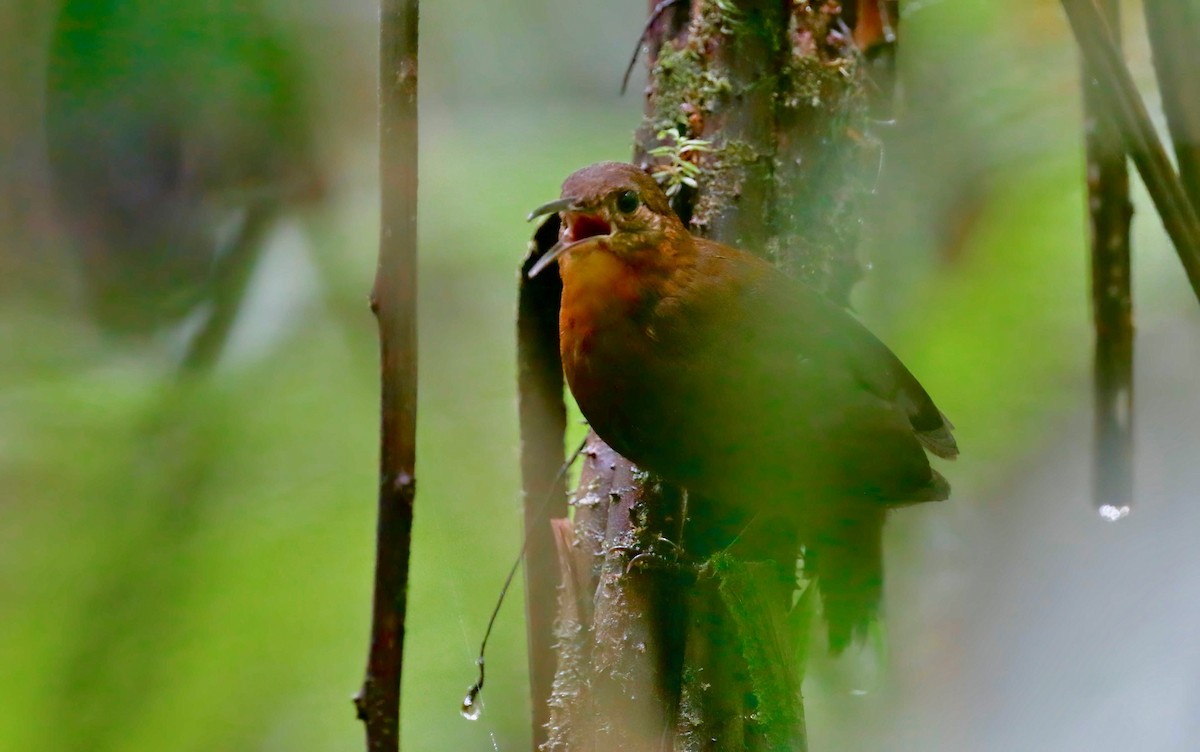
(543, 420)
(1109, 212)
(393, 301)
(1116, 90)
(1174, 27)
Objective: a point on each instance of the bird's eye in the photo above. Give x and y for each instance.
(628, 202)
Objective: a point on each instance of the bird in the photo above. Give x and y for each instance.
(711, 368)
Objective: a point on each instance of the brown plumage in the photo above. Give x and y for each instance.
(708, 366)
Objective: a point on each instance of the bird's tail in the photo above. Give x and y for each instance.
(846, 557)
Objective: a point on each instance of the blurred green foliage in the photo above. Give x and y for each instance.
(185, 562)
(167, 124)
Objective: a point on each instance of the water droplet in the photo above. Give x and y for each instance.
(471, 707)
(1112, 513)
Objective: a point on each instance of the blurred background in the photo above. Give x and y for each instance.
(187, 484)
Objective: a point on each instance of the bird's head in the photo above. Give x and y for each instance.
(614, 206)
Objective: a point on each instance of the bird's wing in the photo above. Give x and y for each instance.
(798, 320)
(781, 318)
(884, 375)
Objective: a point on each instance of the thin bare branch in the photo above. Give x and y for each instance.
(393, 300)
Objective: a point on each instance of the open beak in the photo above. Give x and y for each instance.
(558, 205)
(552, 255)
(581, 228)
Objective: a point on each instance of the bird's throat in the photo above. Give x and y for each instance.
(599, 284)
(601, 294)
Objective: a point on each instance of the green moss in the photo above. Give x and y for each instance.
(819, 84)
(813, 166)
(728, 166)
(685, 90)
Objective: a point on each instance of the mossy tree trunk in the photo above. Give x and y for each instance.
(770, 101)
